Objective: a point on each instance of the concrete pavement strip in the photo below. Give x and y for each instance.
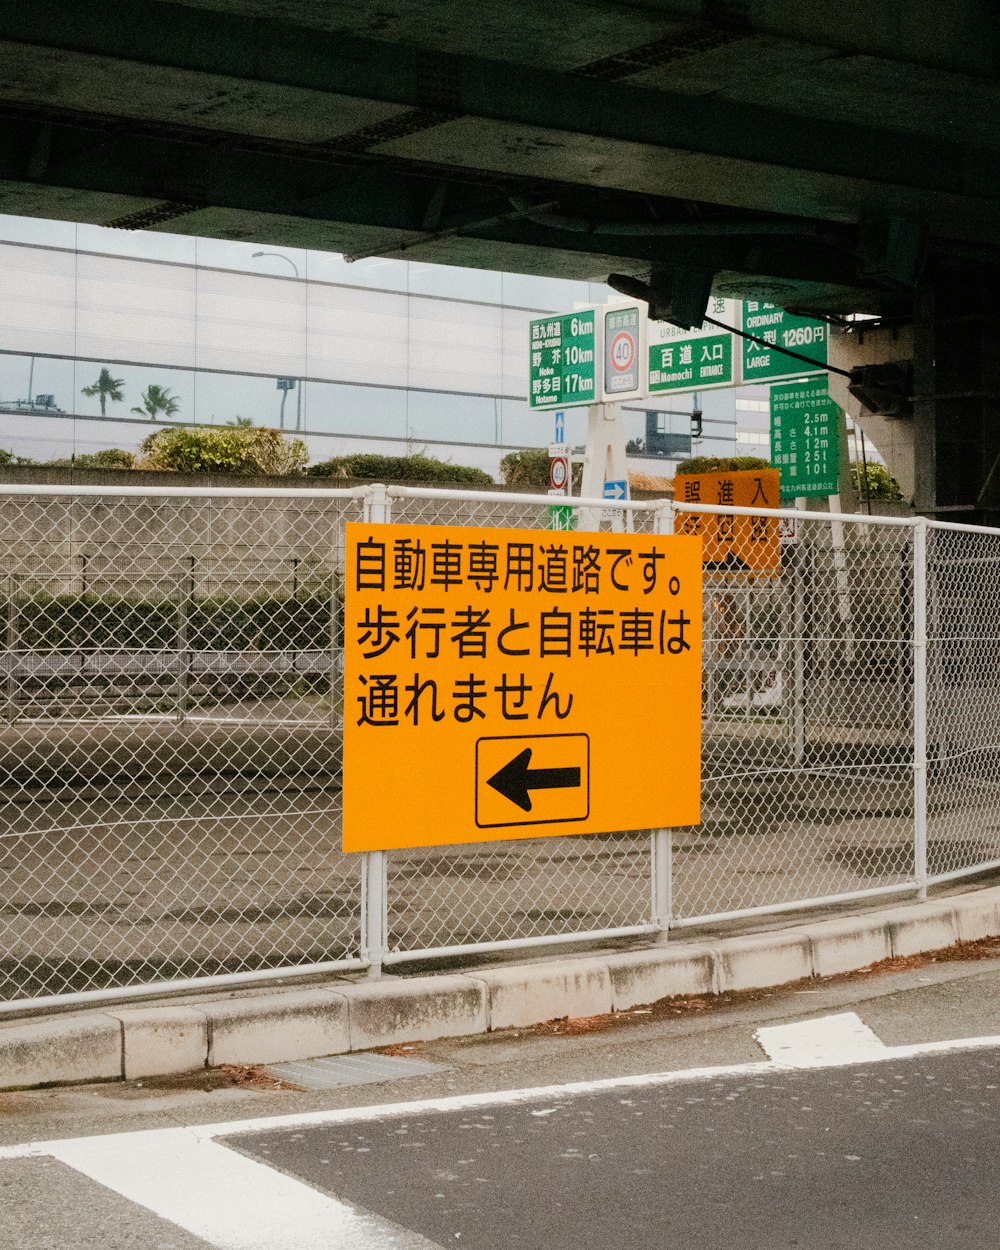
(113, 1043)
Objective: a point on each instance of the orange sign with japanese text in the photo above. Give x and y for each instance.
(733, 544)
(518, 683)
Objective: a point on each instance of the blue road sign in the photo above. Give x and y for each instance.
(615, 490)
(560, 428)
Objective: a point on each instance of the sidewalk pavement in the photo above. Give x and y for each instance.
(340, 1014)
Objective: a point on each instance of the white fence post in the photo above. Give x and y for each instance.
(661, 846)
(920, 705)
(374, 911)
(661, 843)
(799, 566)
(375, 877)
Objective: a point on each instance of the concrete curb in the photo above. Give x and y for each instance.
(255, 1026)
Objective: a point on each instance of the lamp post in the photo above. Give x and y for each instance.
(297, 381)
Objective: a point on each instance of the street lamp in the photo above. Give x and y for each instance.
(297, 383)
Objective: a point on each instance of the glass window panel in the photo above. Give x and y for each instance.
(259, 258)
(38, 230)
(251, 323)
(143, 244)
(37, 299)
(26, 379)
(377, 272)
(453, 418)
(455, 282)
(135, 310)
(366, 411)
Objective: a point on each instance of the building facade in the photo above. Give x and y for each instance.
(381, 355)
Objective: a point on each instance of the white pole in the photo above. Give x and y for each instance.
(840, 571)
(799, 627)
(605, 461)
(661, 854)
(374, 912)
(375, 876)
(920, 705)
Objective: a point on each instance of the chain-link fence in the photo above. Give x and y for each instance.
(171, 715)
(807, 777)
(963, 700)
(520, 891)
(170, 738)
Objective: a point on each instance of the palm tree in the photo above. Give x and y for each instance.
(156, 400)
(106, 387)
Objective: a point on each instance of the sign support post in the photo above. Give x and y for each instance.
(800, 556)
(604, 462)
(661, 852)
(595, 356)
(374, 912)
(374, 873)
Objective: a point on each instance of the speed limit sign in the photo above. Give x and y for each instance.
(558, 472)
(624, 345)
(622, 351)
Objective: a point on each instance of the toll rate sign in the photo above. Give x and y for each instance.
(518, 683)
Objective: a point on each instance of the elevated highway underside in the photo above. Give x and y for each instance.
(834, 158)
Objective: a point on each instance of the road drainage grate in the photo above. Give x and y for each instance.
(339, 1070)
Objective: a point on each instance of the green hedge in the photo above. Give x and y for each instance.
(375, 468)
(92, 622)
(721, 464)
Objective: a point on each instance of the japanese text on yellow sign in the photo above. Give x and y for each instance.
(733, 544)
(518, 683)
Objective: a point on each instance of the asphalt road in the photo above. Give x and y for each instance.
(873, 1158)
(896, 1149)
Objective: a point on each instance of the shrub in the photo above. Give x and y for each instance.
(528, 470)
(721, 464)
(878, 484)
(224, 449)
(109, 458)
(378, 468)
(113, 623)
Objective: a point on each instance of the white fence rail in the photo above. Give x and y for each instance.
(171, 711)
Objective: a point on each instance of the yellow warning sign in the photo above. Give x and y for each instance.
(733, 544)
(518, 683)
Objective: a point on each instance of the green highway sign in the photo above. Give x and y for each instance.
(563, 364)
(691, 364)
(799, 334)
(804, 424)
(699, 360)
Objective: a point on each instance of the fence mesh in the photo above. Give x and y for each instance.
(504, 891)
(171, 738)
(170, 741)
(807, 718)
(963, 705)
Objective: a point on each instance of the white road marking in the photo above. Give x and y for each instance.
(226, 1199)
(186, 1176)
(820, 1043)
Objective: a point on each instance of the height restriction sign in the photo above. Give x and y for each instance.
(499, 683)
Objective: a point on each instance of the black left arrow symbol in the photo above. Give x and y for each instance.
(516, 779)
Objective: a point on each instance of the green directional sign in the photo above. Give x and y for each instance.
(695, 360)
(691, 364)
(562, 371)
(807, 337)
(804, 423)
